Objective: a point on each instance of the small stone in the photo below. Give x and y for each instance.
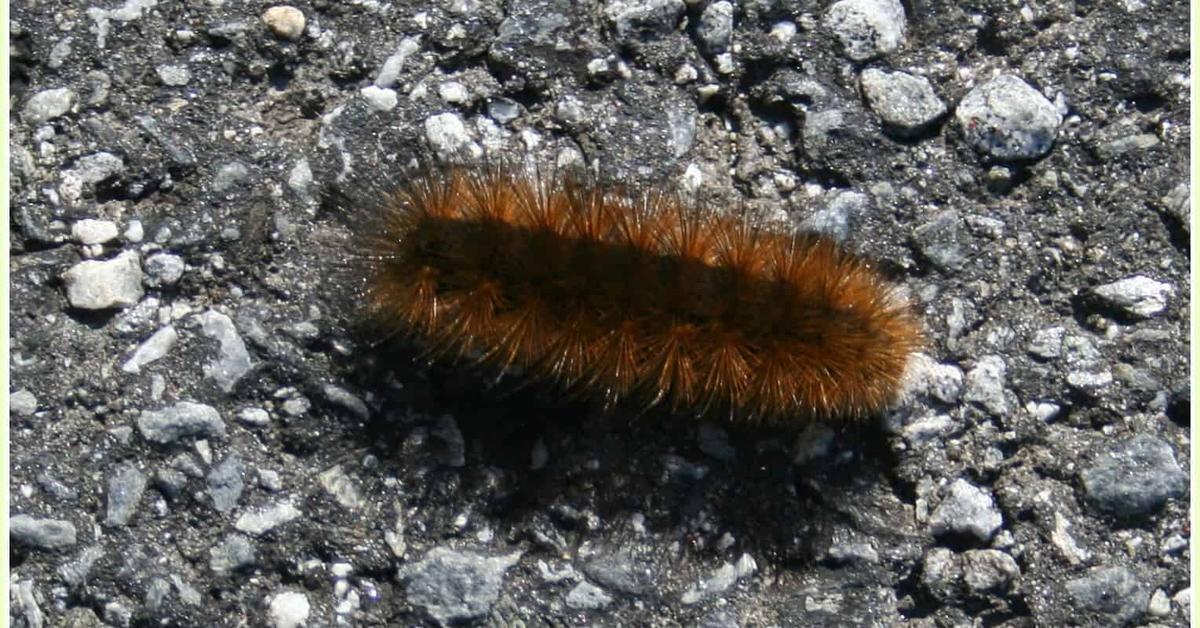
(1089, 382)
(182, 420)
(1130, 143)
(254, 417)
(448, 136)
(1062, 539)
(173, 75)
(456, 587)
(1136, 478)
(379, 98)
(125, 488)
(1047, 343)
(22, 403)
(985, 385)
(1113, 591)
(225, 483)
(286, 22)
(232, 361)
(851, 553)
(643, 20)
(716, 27)
(91, 231)
(1160, 604)
(1137, 297)
(966, 510)
(1007, 119)
(938, 240)
(989, 570)
(345, 399)
(867, 28)
(906, 103)
(154, 348)
(342, 487)
(163, 269)
(393, 64)
(49, 534)
(943, 382)
(47, 105)
(587, 596)
(96, 285)
(265, 519)
(289, 609)
(503, 110)
(228, 175)
(134, 232)
(234, 552)
(941, 573)
(835, 218)
(721, 580)
(453, 92)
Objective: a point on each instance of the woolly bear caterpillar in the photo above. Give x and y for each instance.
(635, 296)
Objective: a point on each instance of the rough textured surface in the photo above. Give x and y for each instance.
(1046, 248)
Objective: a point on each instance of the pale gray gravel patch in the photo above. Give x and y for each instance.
(1135, 478)
(1008, 119)
(22, 403)
(989, 570)
(88, 171)
(163, 269)
(454, 586)
(233, 552)
(93, 231)
(1138, 296)
(228, 175)
(867, 28)
(448, 136)
(266, 518)
(985, 385)
(154, 348)
(587, 596)
(173, 75)
(840, 211)
(47, 104)
(1047, 343)
(907, 104)
(1115, 592)
(380, 99)
(232, 361)
(185, 419)
(50, 534)
(125, 488)
(966, 510)
(101, 285)
(288, 609)
(643, 20)
(716, 27)
(225, 483)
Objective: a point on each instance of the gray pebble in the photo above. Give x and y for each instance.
(1047, 343)
(716, 27)
(285, 22)
(379, 99)
(1138, 296)
(966, 510)
(1089, 382)
(852, 552)
(300, 179)
(928, 428)
(88, 171)
(289, 609)
(233, 552)
(503, 110)
(154, 348)
(1136, 478)
(25, 600)
(163, 269)
(453, 92)
(448, 136)
(938, 241)
(60, 52)
(51, 534)
(943, 382)
(254, 417)
(47, 105)
(393, 64)
(1160, 604)
(156, 593)
(989, 570)
(587, 596)
(75, 572)
(721, 580)
(125, 488)
(1006, 118)
(620, 571)
(344, 398)
(985, 385)
(867, 28)
(1113, 591)
(267, 518)
(342, 487)
(173, 75)
(906, 103)
(643, 20)
(170, 482)
(455, 587)
(270, 480)
(820, 127)
(225, 483)
(91, 231)
(232, 361)
(229, 175)
(941, 573)
(835, 218)
(99, 285)
(1178, 204)
(182, 420)
(22, 403)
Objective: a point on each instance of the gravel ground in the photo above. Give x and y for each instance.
(200, 436)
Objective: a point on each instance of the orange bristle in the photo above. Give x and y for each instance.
(641, 296)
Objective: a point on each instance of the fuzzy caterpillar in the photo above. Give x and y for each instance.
(641, 296)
